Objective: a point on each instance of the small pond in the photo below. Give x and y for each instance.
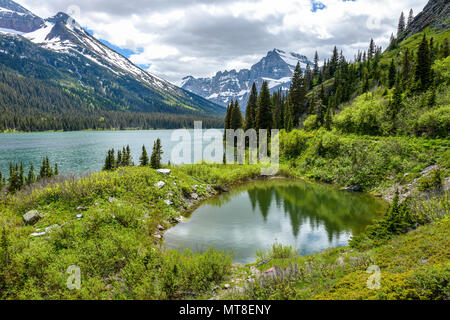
(310, 217)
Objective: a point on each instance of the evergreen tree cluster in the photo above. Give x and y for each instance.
(124, 158)
(17, 178)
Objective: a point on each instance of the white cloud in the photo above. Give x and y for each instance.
(199, 37)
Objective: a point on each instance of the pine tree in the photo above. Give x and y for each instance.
(410, 17)
(119, 161)
(392, 74)
(316, 65)
(31, 178)
(406, 67)
(21, 176)
(236, 117)
(297, 95)
(423, 66)
(392, 43)
(155, 159)
(144, 157)
(14, 179)
(333, 62)
(110, 161)
(371, 52)
(264, 116)
(228, 116)
(445, 49)
(288, 118)
(250, 113)
(395, 105)
(56, 170)
(401, 25)
(46, 170)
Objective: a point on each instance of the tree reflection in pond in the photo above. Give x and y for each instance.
(310, 217)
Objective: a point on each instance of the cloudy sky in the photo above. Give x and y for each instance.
(175, 38)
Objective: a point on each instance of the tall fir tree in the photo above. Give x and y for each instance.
(228, 116)
(406, 67)
(155, 159)
(316, 65)
(392, 75)
(401, 25)
(143, 160)
(423, 66)
(250, 113)
(410, 17)
(264, 117)
(31, 178)
(237, 121)
(371, 52)
(297, 94)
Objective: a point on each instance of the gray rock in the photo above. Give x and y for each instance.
(79, 216)
(353, 188)
(164, 171)
(32, 217)
(194, 196)
(160, 184)
(227, 286)
(160, 228)
(80, 208)
(49, 229)
(168, 202)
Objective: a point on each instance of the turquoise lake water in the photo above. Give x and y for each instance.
(78, 152)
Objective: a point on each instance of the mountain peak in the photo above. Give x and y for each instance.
(276, 68)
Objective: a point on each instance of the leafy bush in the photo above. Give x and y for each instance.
(434, 123)
(433, 282)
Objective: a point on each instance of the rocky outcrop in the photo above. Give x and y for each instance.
(436, 14)
(15, 17)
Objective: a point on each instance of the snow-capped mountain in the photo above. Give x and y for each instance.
(276, 68)
(59, 46)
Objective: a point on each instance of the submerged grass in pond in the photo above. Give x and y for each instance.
(310, 217)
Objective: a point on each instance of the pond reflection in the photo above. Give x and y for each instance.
(310, 217)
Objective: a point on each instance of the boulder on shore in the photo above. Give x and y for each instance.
(354, 188)
(32, 217)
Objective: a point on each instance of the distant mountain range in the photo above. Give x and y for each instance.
(276, 68)
(58, 52)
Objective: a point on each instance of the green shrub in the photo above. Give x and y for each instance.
(311, 123)
(434, 123)
(433, 282)
(433, 181)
